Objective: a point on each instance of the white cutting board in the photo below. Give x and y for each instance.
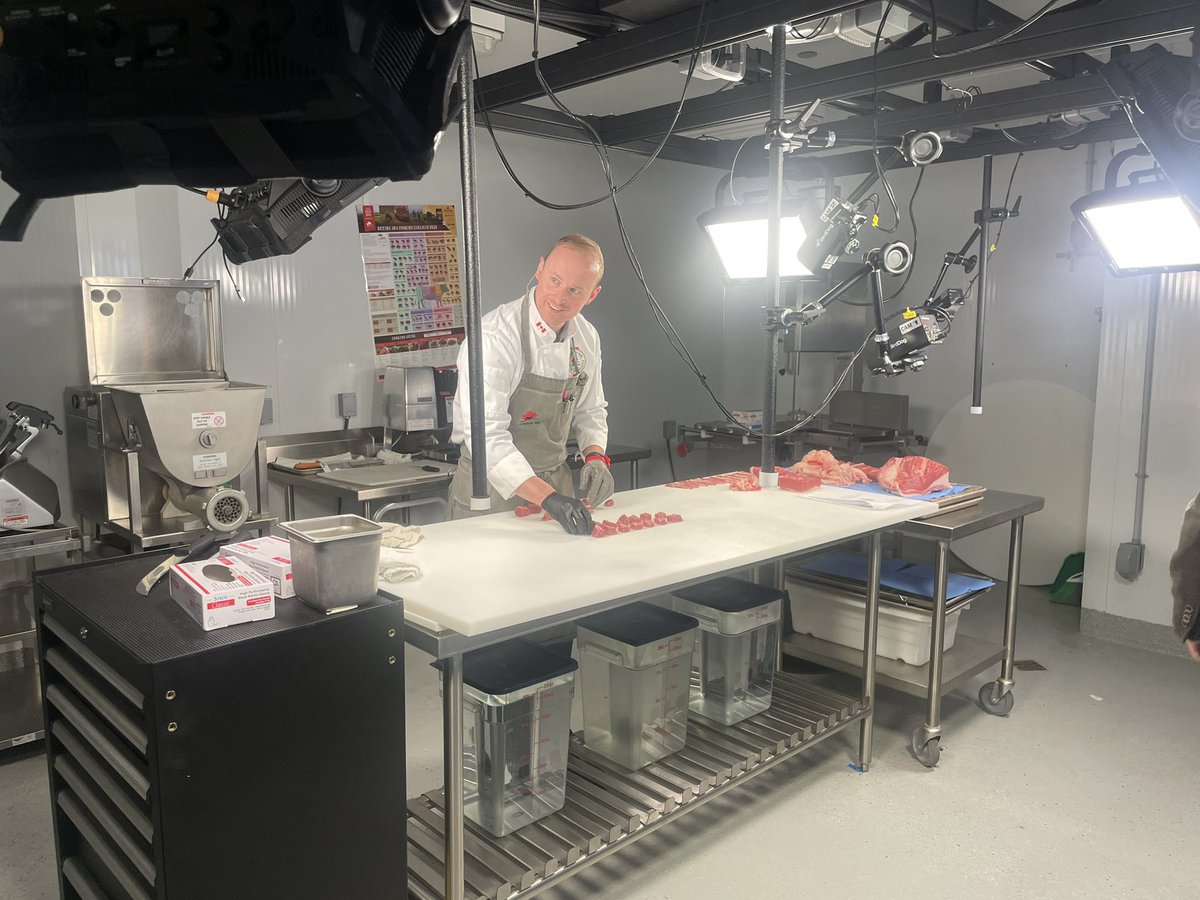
(496, 571)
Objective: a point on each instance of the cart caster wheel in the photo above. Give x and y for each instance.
(1001, 707)
(928, 753)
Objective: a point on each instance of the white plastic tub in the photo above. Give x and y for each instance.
(837, 616)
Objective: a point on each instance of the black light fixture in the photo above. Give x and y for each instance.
(739, 235)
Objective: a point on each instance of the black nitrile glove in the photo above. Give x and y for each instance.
(568, 512)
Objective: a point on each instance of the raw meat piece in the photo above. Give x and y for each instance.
(523, 511)
(871, 472)
(790, 481)
(824, 465)
(672, 518)
(913, 475)
(597, 531)
(747, 481)
(610, 502)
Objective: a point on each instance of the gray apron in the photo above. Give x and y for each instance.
(540, 410)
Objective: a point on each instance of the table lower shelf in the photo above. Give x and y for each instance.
(609, 807)
(20, 707)
(968, 657)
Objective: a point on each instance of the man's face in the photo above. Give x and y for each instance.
(567, 281)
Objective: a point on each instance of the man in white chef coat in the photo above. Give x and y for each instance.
(541, 380)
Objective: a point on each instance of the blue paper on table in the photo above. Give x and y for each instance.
(914, 580)
(935, 495)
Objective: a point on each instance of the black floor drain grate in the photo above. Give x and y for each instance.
(1029, 665)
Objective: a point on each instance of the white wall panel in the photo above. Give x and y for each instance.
(1174, 443)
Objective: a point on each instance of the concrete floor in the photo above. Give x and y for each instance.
(1085, 791)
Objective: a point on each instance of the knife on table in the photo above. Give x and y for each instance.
(196, 549)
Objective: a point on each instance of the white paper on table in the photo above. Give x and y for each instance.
(828, 493)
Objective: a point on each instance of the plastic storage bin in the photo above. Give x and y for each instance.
(739, 634)
(516, 734)
(636, 668)
(836, 615)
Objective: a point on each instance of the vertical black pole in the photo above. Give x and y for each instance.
(769, 478)
(985, 239)
(466, 149)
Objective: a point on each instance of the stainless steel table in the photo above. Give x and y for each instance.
(609, 808)
(20, 690)
(969, 656)
(411, 491)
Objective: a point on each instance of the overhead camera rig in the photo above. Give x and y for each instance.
(837, 235)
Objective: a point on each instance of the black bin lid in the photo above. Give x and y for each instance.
(730, 594)
(513, 665)
(639, 624)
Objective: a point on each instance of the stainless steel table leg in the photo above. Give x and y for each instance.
(937, 640)
(289, 502)
(870, 635)
(366, 506)
(452, 765)
(1005, 682)
(633, 473)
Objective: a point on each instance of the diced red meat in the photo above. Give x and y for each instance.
(597, 531)
(913, 475)
(790, 481)
(623, 528)
(523, 511)
(672, 518)
(610, 502)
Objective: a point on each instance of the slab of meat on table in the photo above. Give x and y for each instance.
(824, 465)
(913, 475)
(791, 481)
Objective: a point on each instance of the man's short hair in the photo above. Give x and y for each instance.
(583, 244)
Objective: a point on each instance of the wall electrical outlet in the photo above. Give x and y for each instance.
(347, 405)
(670, 429)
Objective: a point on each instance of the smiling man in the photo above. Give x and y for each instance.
(541, 380)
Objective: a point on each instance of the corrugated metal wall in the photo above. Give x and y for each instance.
(1174, 451)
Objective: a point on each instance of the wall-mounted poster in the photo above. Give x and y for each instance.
(410, 260)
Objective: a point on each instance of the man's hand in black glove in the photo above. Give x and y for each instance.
(569, 513)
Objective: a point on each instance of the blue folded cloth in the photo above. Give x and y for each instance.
(900, 575)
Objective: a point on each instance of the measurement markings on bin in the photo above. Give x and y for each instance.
(496, 860)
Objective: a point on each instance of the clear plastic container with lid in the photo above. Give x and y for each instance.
(516, 733)
(636, 664)
(739, 631)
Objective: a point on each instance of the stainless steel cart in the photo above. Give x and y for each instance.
(946, 669)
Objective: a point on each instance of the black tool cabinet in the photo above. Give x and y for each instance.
(263, 760)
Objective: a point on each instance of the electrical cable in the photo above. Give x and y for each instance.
(733, 168)
(1013, 32)
(912, 264)
(875, 122)
(237, 290)
(192, 268)
(701, 34)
